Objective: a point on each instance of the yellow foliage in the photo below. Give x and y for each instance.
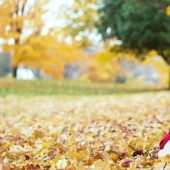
(79, 18)
(34, 49)
(105, 64)
(152, 53)
(168, 11)
(160, 65)
(102, 71)
(105, 56)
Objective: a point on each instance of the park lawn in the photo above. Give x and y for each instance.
(70, 88)
(83, 132)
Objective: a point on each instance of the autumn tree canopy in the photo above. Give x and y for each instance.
(141, 25)
(22, 25)
(79, 19)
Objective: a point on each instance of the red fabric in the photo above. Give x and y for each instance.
(164, 140)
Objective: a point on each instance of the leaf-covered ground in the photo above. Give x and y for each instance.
(83, 133)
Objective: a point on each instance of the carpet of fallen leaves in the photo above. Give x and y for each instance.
(83, 133)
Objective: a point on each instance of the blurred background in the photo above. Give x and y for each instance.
(105, 41)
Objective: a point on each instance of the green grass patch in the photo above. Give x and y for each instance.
(68, 88)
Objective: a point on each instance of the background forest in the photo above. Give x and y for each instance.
(94, 40)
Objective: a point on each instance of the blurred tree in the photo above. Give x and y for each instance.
(22, 23)
(141, 25)
(79, 21)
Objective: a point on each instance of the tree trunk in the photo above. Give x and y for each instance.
(14, 72)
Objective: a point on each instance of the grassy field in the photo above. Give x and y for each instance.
(65, 88)
(64, 125)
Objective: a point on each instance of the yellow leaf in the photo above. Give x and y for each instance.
(53, 168)
(101, 165)
(114, 157)
(61, 164)
(168, 11)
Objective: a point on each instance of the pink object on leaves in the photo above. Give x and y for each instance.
(164, 140)
(164, 146)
